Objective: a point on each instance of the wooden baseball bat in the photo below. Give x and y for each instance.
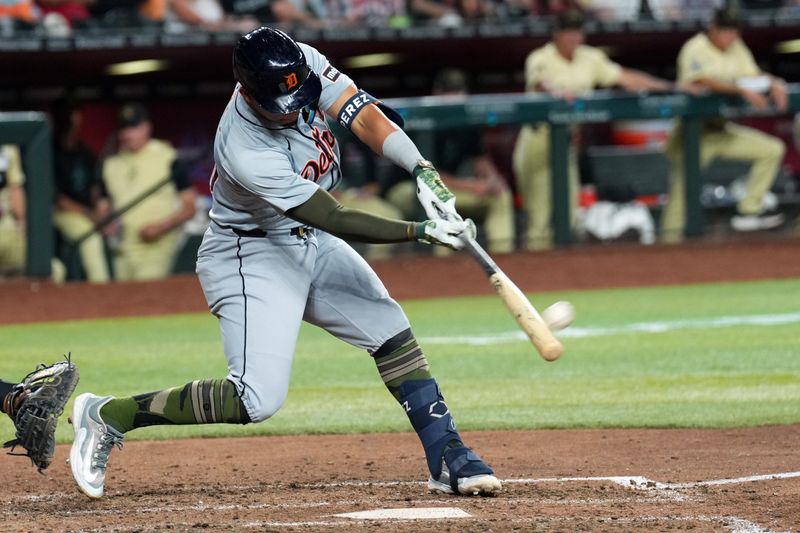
(518, 305)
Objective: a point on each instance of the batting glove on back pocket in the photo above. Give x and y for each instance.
(450, 233)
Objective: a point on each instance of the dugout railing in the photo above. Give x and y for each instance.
(423, 115)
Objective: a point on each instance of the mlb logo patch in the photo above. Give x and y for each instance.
(331, 73)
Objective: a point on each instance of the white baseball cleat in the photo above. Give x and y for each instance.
(93, 442)
(479, 485)
(478, 479)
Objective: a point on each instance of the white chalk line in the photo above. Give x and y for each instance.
(636, 327)
(634, 482)
(734, 524)
(643, 483)
(201, 507)
(731, 481)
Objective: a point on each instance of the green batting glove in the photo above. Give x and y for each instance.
(434, 195)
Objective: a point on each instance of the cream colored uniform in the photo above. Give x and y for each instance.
(12, 231)
(589, 68)
(126, 176)
(699, 58)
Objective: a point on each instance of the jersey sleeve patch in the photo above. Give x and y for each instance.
(331, 73)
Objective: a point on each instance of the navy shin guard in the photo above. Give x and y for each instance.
(431, 419)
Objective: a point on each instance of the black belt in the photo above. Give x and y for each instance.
(300, 231)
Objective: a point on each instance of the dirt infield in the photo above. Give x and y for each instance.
(741, 481)
(645, 480)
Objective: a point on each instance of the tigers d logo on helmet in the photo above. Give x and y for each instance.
(291, 81)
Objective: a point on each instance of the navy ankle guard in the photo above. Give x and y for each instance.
(431, 419)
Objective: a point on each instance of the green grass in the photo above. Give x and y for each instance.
(742, 375)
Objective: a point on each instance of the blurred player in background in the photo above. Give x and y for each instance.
(79, 204)
(12, 211)
(565, 68)
(144, 173)
(718, 60)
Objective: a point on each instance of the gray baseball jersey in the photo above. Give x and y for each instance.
(260, 278)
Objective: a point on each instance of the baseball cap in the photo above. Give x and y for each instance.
(132, 114)
(571, 19)
(727, 17)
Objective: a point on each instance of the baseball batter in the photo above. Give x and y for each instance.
(273, 256)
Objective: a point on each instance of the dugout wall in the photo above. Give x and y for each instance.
(31, 132)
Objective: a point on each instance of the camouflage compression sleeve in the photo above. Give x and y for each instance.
(209, 401)
(324, 212)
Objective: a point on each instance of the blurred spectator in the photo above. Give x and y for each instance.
(257, 12)
(308, 13)
(78, 192)
(149, 187)
(208, 15)
(614, 9)
(128, 13)
(16, 14)
(565, 68)
(71, 11)
(370, 12)
(718, 60)
(442, 12)
(12, 211)
(546, 8)
(153, 10)
(683, 9)
(539, 9)
(474, 10)
(466, 168)
(624, 10)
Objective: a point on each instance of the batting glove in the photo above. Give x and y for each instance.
(434, 195)
(450, 233)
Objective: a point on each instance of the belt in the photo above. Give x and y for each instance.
(300, 231)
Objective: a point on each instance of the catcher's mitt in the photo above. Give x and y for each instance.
(35, 405)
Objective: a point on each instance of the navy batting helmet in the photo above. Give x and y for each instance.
(273, 69)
